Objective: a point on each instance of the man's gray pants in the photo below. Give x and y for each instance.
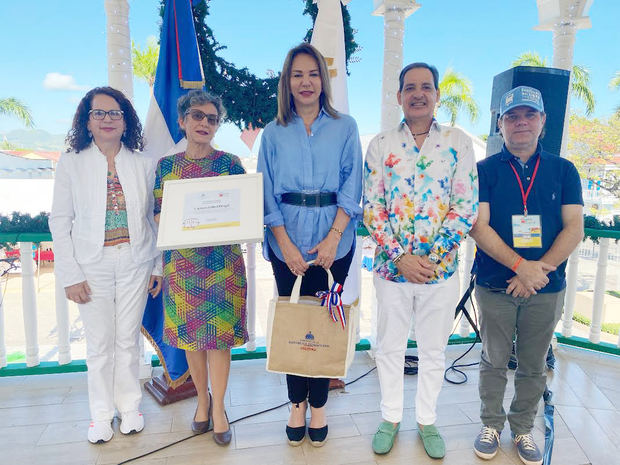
(533, 319)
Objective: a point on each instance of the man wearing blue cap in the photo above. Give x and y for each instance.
(530, 220)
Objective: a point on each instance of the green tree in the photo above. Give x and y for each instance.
(580, 85)
(456, 94)
(144, 62)
(614, 84)
(593, 147)
(13, 107)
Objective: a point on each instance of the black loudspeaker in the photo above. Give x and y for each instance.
(552, 84)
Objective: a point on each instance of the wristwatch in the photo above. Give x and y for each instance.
(434, 258)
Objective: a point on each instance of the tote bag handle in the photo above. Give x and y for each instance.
(297, 286)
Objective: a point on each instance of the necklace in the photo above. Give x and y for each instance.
(419, 134)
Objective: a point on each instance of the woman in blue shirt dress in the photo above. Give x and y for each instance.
(311, 160)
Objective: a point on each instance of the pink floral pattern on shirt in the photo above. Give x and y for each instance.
(419, 201)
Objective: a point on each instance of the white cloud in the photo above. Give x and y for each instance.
(57, 81)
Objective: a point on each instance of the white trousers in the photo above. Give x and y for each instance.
(433, 306)
(112, 321)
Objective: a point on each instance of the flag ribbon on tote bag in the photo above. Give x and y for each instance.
(333, 301)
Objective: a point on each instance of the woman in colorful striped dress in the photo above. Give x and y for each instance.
(204, 288)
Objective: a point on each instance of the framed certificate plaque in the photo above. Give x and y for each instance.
(211, 211)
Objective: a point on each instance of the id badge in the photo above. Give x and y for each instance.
(526, 231)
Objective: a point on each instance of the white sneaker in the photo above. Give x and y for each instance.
(132, 422)
(100, 431)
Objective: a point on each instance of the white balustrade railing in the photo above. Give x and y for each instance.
(29, 301)
(29, 312)
(2, 326)
(466, 258)
(599, 292)
(251, 296)
(585, 252)
(588, 251)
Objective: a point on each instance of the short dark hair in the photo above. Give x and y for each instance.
(200, 97)
(79, 136)
(418, 64)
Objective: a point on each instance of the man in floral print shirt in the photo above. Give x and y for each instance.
(420, 200)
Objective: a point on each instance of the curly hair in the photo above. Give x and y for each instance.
(199, 97)
(79, 137)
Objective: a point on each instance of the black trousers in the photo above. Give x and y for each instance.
(301, 388)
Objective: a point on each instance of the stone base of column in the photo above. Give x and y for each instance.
(164, 394)
(336, 383)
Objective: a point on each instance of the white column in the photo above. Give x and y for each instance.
(2, 326)
(120, 73)
(571, 292)
(467, 253)
(373, 322)
(62, 324)
(563, 18)
(146, 367)
(29, 304)
(251, 297)
(356, 267)
(563, 48)
(394, 13)
(599, 291)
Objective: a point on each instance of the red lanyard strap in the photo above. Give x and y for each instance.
(525, 194)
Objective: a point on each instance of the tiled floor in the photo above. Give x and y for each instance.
(43, 420)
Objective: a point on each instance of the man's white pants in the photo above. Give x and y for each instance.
(433, 306)
(112, 321)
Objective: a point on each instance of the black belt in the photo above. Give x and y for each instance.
(321, 199)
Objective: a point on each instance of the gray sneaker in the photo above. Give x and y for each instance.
(487, 443)
(527, 449)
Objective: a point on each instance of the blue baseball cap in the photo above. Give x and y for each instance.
(521, 96)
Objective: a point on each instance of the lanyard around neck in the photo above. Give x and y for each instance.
(525, 194)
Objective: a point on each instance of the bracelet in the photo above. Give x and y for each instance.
(339, 231)
(395, 260)
(516, 264)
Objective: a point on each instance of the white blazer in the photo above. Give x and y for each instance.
(77, 220)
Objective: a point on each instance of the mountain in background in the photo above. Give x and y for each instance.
(34, 139)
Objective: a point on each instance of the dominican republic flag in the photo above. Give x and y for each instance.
(178, 70)
(328, 38)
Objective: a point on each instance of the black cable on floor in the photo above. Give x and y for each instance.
(461, 308)
(411, 368)
(411, 361)
(230, 423)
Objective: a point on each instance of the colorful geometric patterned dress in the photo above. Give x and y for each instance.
(204, 289)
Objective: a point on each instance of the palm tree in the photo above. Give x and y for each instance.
(614, 84)
(457, 94)
(144, 62)
(13, 107)
(580, 85)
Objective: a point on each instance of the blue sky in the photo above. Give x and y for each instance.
(477, 38)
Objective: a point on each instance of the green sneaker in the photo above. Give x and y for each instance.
(433, 442)
(383, 440)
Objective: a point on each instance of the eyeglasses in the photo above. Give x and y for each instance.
(100, 114)
(198, 115)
